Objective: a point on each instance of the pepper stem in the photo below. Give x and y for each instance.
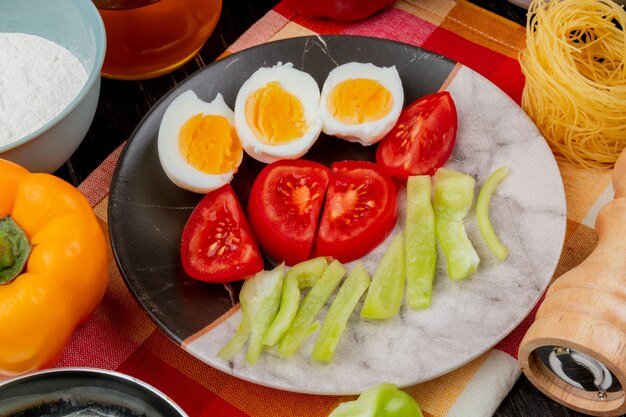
(14, 250)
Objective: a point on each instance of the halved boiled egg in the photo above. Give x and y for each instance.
(361, 102)
(276, 113)
(197, 144)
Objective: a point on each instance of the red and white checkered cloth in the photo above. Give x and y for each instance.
(119, 335)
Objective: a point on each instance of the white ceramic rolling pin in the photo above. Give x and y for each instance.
(575, 351)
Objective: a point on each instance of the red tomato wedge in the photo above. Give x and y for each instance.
(422, 139)
(284, 208)
(217, 245)
(359, 212)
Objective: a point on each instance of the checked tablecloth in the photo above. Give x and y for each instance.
(120, 336)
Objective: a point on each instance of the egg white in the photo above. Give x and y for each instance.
(299, 84)
(176, 167)
(370, 132)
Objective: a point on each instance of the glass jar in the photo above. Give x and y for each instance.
(148, 38)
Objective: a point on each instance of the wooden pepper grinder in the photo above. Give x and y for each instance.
(575, 351)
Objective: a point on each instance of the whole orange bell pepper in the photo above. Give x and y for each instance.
(53, 267)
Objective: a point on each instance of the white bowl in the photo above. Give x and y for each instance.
(77, 26)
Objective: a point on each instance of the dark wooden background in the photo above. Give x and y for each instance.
(123, 103)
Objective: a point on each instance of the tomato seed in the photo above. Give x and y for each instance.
(211, 250)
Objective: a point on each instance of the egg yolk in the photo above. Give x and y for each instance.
(275, 115)
(210, 144)
(359, 100)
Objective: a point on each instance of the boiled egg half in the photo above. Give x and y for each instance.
(197, 143)
(361, 102)
(276, 113)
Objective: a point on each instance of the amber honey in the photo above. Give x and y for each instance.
(148, 41)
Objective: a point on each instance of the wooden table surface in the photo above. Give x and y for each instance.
(123, 103)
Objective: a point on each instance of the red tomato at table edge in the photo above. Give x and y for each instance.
(217, 244)
(359, 212)
(422, 139)
(346, 10)
(284, 208)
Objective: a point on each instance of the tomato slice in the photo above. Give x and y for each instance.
(284, 208)
(422, 139)
(217, 245)
(359, 212)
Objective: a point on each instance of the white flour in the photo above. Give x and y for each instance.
(38, 79)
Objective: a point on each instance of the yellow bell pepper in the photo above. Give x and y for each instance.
(65, 274)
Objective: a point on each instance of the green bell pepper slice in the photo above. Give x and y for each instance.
(304, 324)
(482, 213)
(302, 275)
(452, 199)
(420, 243)
(339, 312)
(260, 299)
(384, 296)
(383, 400)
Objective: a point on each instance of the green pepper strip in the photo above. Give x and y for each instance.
(14, 250)
(339, 312)
(260, 298)
(305, 274)
(452, 200)
(482, 213)
(383, 400)
(304, 323)
(239, 339)
(420, 244)
(384, 296)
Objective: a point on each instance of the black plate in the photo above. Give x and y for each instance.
(147, 212)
